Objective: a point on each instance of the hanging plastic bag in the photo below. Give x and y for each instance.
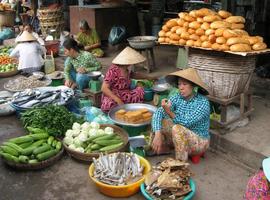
(117, 35)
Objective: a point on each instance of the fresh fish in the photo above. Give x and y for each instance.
(30, 103)
(44, 95)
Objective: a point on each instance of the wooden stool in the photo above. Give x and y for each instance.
(245, 110)
(95, 97)
(150, 58)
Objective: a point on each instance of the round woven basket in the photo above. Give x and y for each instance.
(45, 13)
(8, 74)
(47, 26)
(35, 166)
(225, 74)
(88, 157)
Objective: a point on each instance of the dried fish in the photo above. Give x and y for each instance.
(118, 168)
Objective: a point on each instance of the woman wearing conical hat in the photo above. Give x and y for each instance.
(29, 52)
(182, 121)
(116, 85)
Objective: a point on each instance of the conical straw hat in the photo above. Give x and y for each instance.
(128, 57)
(26, 37)
(191, 75)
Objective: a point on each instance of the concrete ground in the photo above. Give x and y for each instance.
(218, 176)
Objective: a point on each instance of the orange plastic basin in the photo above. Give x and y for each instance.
(121, 191)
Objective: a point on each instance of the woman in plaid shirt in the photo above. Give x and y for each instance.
(182, 121)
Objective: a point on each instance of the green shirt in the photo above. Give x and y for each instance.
(88, 38)
(84, 59)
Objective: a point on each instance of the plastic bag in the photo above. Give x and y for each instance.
(7, 33)
(93, 114)
(117, 34)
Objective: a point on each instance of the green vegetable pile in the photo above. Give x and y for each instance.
(30, 149)
(56, 120)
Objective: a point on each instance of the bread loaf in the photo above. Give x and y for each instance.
(180, 30)
(240, 48)
(211, 18)
(219, 32)
(212, 38)
(161, 39)
(209, 32)
(199, 31)
(235, 19)
(194, 25)
(190, 43)
(167, 40)
(186, 24)
(206, 44)
(237, 40)
(194, 37)
(216, 47)
(174, 36)
(193, 13)
(221, 40)
(182, 42)
(182, 15)
(171, 23)
(198, 43)
(240, 32)
(161, 33)
(188, 18)
(185, 35)
(224, 14)
(224, 47)
(204, 38)
(237, 26)
(220, 24)
(259, 46)
(167, 34)
(200, 20)
(230, 33)
(252, 39)
(205, 26)
(173, 29)
(204, 12)
(191, 31)
(175, 42)
(180, 22)
(165, 28)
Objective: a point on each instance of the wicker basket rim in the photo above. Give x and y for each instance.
(8, 74)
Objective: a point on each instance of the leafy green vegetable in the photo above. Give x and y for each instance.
(56, 120)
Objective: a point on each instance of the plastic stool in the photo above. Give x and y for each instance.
(196, 158)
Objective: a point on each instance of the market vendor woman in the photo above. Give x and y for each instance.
(77, 65)
(183, 119)
(88, 37)
(116, 86)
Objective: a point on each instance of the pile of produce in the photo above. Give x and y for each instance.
(209, 29)
(56, 120)
(31, 148)
(36, 97)
(23, 83)
(118, 168)
(89, 137)
(5, 7)
(5, 50)
(7, 64)
(168, 180)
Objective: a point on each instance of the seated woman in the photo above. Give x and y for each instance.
(258, 187)
(183, 120)
(88, 37)
(29, 52)
(29, 28)
(116, 85)
(77, 65)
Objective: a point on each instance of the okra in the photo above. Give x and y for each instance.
(95, 147)
(95, 136)
(107, 142)
(111, 147)
(106, 137)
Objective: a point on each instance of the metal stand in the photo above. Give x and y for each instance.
(244, 100)
(150, 58)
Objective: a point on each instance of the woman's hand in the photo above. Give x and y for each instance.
(81, 70)
(157, 143)
(119, 101)
(69, 83)
(166, 105)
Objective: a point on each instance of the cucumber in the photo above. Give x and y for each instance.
(58, 145)
(50, 140)
(106, 137)
(21, 139)
(38, 143)
(23, 159)
(9, 157)
(107, 142)
(47, 154)
(9, 150)
(111, 147)
(39, 136)
(25, 145)
(33, 161)
(14, 146)
(28, 151)
(88, 151)
(54, 143)
(95, 147)
(42, 149)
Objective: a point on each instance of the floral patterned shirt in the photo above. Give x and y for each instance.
(194, 114)
(84, 59)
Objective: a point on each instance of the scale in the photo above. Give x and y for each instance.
(95, 82)
(161, 92)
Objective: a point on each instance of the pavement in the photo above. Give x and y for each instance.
(223, 174)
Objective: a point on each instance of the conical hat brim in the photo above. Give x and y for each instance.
(128, 57)
(26, 37)
(191, 75)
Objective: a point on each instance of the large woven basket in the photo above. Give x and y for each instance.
(47, 26)
(7, 18)
(35, 166)
(226, 75)
(88, 157)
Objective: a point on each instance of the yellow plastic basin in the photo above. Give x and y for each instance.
(121, 191)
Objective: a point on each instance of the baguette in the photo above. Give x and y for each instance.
(259, 46)
(161, 33)
(237, 26)
(224, 14)
(240, 48)
(235, 19)
(220, 24)
(206, 44)
(237, 40)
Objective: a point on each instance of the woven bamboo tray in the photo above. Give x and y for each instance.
(88, 157)
(8, 74)
(35, 166)
(225, 74)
